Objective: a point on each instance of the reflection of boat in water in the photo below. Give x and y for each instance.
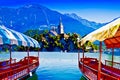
(34, 77)
(83, 78)
(10, 69)
(94, 69)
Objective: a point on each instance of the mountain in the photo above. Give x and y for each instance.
(34, 16)
(85, 22)
(113, 20)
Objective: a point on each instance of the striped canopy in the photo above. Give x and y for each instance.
(11, 37)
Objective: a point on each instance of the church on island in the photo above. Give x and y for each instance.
(59, 30)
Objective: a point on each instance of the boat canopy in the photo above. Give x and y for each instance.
(109, 33)
(11, 37)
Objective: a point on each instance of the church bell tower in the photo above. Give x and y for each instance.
(60, 27)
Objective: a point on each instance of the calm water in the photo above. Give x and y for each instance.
(57, 65)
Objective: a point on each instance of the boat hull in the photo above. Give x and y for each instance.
(19, 70)
(89, 68)
(27, 75)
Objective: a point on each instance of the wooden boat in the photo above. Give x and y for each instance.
(94, 69)
(18, 70)
(11, 69)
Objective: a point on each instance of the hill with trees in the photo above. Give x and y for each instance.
(65, 42)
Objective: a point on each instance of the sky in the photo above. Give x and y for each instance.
(100, 11)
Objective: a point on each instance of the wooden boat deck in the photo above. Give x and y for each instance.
(19, 69)
(90, 67)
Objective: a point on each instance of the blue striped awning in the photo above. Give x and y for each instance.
(11, 37)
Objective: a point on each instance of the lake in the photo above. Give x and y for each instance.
(57, 65)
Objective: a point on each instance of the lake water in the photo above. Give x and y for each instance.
(57, 65)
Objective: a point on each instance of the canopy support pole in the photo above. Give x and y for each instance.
(112, 56)
(83, 60)
(38, 54)
(78, 56)
(10, 54)
(28, 59)
(99, 64)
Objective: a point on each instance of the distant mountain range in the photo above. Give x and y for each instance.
(85, 22)
(34, 16)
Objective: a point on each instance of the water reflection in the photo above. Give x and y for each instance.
(33, 77)
(83, 78)
(58, 66)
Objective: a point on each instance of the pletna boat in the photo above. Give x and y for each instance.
(93, 68)
(17, 70)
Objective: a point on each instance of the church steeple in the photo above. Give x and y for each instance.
(60, 27)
